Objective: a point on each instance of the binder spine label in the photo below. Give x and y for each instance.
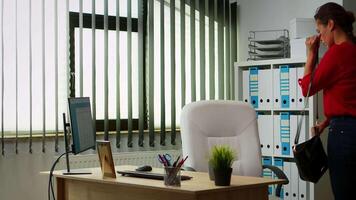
(253, 89)
(278, 162)
(284, 86)
(267, 173)
(285, 133)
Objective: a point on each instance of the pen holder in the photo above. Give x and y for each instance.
(172, 176)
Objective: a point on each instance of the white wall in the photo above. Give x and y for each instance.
(350, 5)
(271, 14)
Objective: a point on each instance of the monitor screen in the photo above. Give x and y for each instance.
(81, 121)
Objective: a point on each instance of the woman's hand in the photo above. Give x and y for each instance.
(319, 128)
(312, 43)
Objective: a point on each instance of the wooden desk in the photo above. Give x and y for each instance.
(94, 187)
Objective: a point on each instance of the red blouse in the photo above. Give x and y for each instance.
(336, 76)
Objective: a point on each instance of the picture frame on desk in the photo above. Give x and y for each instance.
(105, 159)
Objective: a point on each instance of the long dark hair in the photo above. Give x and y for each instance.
(333, 11)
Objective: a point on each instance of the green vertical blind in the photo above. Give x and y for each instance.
(141, 80)
(43, 77)
(116, 67)
(33, 70)
(192, 43)
(162, 76)
(151, 74)
(2, 80)
(118, 117)
(93, 60)
(139, 61)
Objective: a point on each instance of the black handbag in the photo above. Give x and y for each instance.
(310, 157)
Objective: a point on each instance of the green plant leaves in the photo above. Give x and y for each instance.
(222, 157)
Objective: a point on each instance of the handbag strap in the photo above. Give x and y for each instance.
(306, 101)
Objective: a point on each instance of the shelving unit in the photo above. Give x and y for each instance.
(271, 86)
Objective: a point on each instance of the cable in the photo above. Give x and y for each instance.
(52, 190)
(50, 183)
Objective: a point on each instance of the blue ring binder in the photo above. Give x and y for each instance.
(284, 86)
(285, 133)
(253, 86)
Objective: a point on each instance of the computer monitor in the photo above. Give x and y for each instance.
(81, 124)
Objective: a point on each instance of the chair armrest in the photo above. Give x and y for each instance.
(280, 175)
(188, 169)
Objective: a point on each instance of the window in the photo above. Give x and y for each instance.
(87, 73)
(36, 79)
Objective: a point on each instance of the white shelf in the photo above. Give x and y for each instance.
(281, 109)
(272, 62)
(279, 156)
(313, 191)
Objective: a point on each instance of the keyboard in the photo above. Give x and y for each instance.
(148, 175)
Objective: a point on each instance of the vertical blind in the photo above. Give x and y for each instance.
(190, 58)
(29, 73)
(140, 62)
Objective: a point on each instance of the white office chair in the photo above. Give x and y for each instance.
(208, 123)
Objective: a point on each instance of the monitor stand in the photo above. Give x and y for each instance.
(69, 171)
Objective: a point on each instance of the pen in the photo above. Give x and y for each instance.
(175, 162)
(164, 162)
(167, 160)
(182, 161)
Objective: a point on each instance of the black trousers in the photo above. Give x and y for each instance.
(342, 157)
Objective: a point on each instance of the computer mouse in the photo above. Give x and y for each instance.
(144, 168)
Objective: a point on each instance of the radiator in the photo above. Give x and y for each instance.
(126, 158)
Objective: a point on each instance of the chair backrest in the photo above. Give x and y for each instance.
(208, 123)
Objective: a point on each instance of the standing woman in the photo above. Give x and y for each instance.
(336, 76)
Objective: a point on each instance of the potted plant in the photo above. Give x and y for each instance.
(221, 159)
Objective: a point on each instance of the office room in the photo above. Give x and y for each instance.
(133, 91)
